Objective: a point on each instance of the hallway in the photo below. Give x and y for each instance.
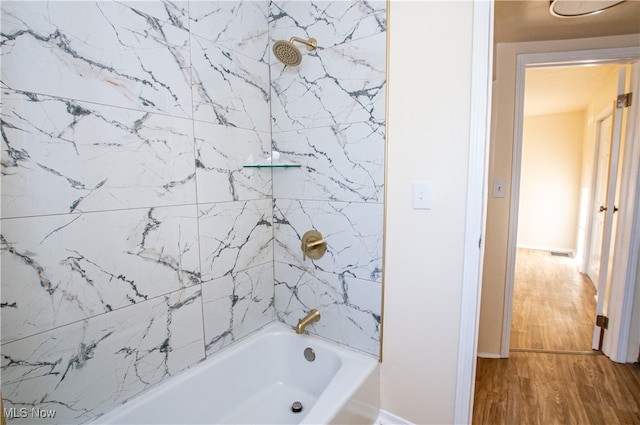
(552, 375)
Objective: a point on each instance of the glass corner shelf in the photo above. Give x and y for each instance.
(273, 165)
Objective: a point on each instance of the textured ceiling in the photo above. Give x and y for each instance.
(566, 89)
(530, 20)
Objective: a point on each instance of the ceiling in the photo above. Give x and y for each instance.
(565, 89)
(530, 20)
(556, 90)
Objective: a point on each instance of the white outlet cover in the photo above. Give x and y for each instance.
(499, 188)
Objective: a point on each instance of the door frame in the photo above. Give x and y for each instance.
(625, 267)
(608, 290)
(476, 209)
(540, 60)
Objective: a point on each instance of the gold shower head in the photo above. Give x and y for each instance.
(287, 53)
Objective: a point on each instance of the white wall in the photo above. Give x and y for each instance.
(550, 181)
(427, 136)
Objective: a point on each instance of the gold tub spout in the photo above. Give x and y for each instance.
(313, 316)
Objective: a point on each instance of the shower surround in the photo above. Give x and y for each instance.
(134, 243)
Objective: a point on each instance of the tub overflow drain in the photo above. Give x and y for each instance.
(309, 354)
(296, 407)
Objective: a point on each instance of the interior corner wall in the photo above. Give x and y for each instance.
(500, 167)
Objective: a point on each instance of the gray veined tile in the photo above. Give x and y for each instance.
(221, 153)
(229, 88)
(234, 236)
(353, 232)
(330, 22)
(240, 26)
(172, 12)
(85, 369)
(350, 308)
(62, 156)
(236, 305)
(102, 52)
(63, 268)
(339, 163)
(343, 84)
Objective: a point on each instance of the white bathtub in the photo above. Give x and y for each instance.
(257, 380)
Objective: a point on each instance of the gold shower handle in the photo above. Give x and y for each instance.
(316, 243)
(313, 245)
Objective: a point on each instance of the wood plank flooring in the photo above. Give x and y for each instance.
(553, 305)
(545, 389)
(544, 381)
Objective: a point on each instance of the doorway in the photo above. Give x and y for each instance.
(554, 303)
(625, 264)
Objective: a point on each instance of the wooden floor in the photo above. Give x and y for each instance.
(552, 376)
(553, 304)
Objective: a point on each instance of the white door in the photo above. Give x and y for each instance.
(608, 209)
(600, 197)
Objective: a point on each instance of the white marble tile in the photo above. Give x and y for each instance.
(62, 268)
(343, 84)
(350, 309)
(167, 12)
(98, 305)
(234, 236)
(229, 88)
(339, 163)
(330, 22)
(236, 305)
(84, 369)
(63, 156)
(353, 232)
(221, 153)
(102, 52)
(241, 26)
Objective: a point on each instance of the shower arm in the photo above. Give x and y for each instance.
(311, 43)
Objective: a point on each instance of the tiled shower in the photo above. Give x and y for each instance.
(134, 241)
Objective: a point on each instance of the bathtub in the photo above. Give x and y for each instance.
(257, 380)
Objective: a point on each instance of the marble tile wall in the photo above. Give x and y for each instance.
(328, 114)
(133, 242)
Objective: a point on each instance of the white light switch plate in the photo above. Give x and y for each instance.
(421, 195)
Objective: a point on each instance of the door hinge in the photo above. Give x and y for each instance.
(624, 100)
(602, 321)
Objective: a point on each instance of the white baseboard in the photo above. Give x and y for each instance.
(489, 355)
(387, 418)
(548, 248)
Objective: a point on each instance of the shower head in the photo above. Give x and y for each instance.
(287, 53)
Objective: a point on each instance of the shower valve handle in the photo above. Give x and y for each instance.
(313, 245)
